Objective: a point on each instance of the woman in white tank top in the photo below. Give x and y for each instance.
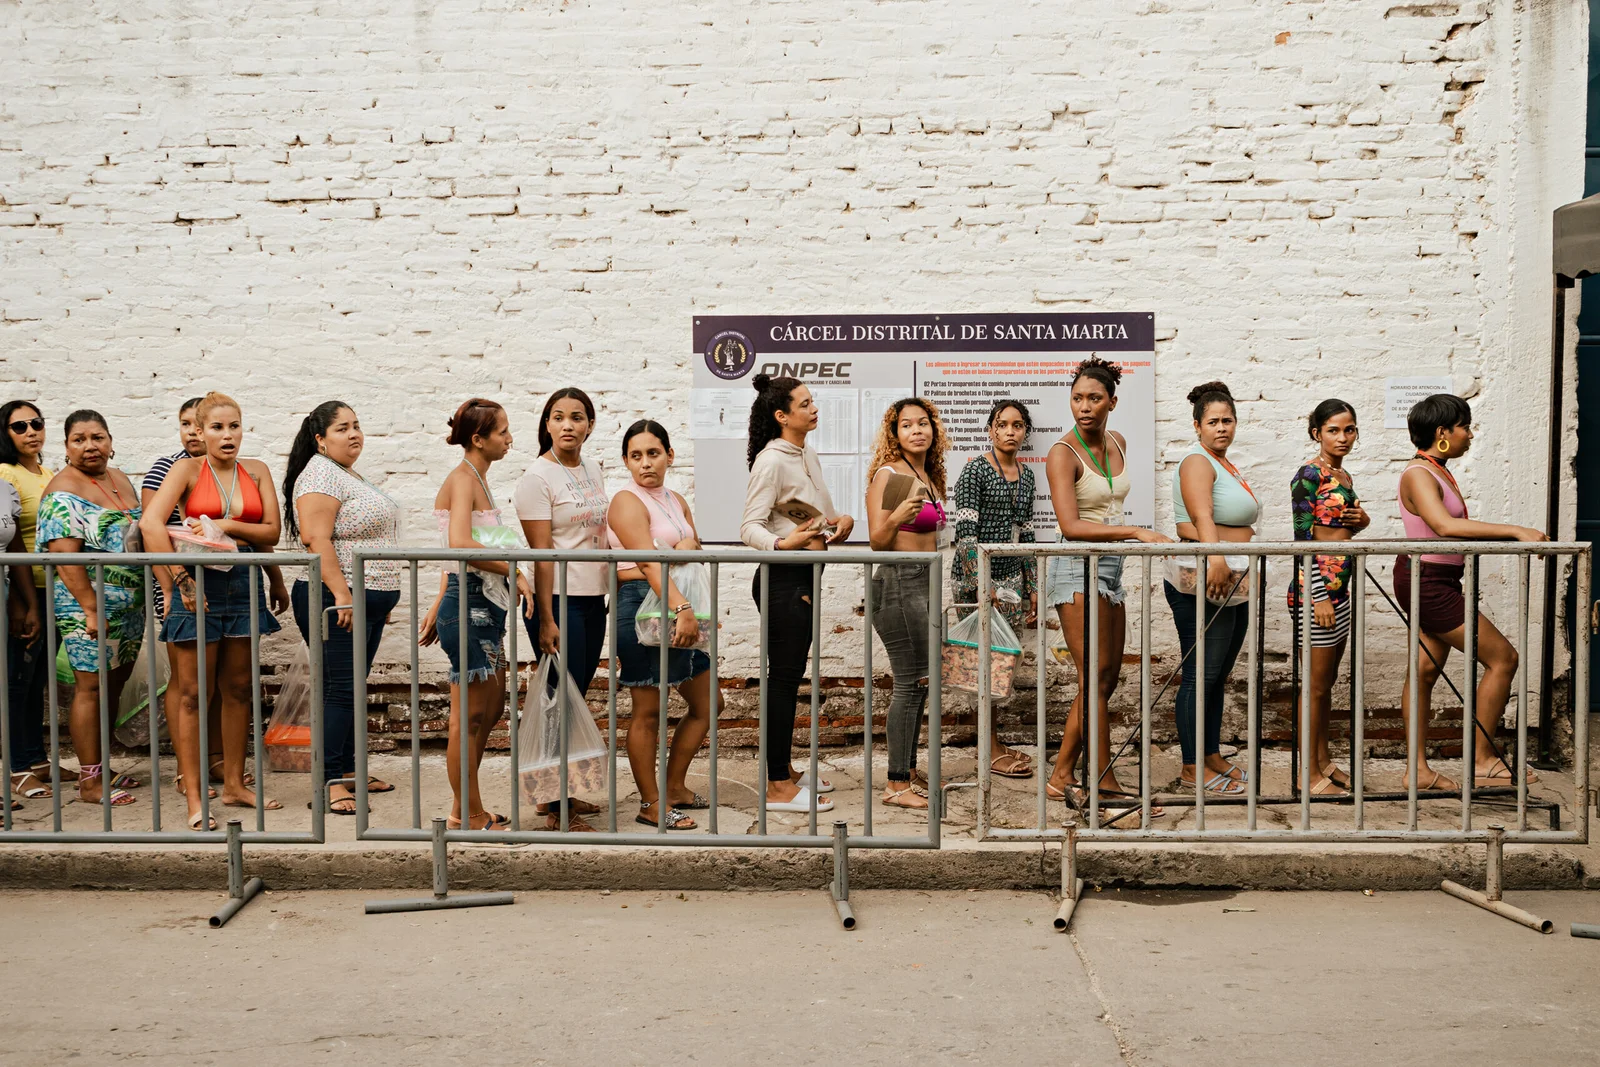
(1089, 482)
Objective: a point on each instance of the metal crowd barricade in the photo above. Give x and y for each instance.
(233, 834)
(1094, 829)
(839, 840)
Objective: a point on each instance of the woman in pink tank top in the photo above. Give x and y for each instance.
(646, 515)
(1432, 507)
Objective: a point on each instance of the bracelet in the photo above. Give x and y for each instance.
(681, 608)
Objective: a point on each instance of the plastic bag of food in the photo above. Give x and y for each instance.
(539, 738)
(202, 535)
(960, 657)
(694, 582)
(288, 736)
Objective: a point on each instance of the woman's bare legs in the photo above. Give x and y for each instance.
(83, 723)
(1113, 636)
(1324, 673)
(1499, 660)
(686, 740)
(485, 701)
(233, 686)
(185, 725)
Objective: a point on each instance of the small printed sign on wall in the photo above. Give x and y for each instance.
(1401, 394)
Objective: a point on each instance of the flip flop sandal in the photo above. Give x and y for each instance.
(1499, 781)
(378, 785)
(19, 786)
(1433, 786)
(495, 822)
(676, 820)
(1221, 784)
(1021, 765)
(331, 810)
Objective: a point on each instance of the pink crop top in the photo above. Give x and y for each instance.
(668, 524)
(1417, 528)
(930, 519)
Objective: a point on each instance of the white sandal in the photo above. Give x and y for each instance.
(800, 803)
(38, 792)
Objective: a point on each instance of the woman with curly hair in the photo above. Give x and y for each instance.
(911, 443)
(994, 505)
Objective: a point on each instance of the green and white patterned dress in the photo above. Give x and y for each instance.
(101, 529)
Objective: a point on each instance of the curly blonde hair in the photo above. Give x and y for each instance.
(886, 449)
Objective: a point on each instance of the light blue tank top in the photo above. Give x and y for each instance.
(1231, 503)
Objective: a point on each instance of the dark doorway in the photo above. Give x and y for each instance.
(1588, 461)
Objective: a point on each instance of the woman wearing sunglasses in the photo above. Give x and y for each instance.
(21, 449)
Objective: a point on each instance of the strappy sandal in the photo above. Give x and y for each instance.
(1220, 783)
(574, 807)
(1495, 780)
(20, 786)
(1078, 797)
(892, 797)
(575, 823)
(676, 820)
(88, 773)
(1020, 765)
(1449, 784)
(494, 822)
(697, 804)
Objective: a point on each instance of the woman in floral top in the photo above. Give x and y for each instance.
(1326, 509)
(994, 505)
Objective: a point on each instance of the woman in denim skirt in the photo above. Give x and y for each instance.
(469, 518)
(646, 515)
(237, 495)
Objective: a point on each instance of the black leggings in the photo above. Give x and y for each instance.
(788, 648)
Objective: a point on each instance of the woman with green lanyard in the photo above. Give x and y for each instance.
(1088, 474)
(994, 505)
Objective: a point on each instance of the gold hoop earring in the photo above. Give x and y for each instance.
(1443, 447)
(321, 451)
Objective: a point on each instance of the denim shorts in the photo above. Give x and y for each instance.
(1066, 579)
(640, 665)
(227, 607)
(486, 631)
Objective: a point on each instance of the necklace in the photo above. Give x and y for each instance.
(1442, 469)
(225, 496)
(485, 485)
(1231, 469)
(113, 496)
(1103, 468)
(668, 513)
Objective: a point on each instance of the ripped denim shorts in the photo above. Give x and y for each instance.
(486, 631)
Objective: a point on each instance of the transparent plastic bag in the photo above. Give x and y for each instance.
(288, 736)
(1057, 649)
(960, 665)
(133, 708)
(1179, 572)
(539, 738)
(205, 538)
(694, 582)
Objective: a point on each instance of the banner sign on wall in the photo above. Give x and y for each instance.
(857, 365)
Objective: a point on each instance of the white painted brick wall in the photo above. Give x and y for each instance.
(401, 204)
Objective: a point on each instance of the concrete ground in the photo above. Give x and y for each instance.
(1144, 978)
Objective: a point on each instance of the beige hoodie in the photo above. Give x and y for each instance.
(782, 474)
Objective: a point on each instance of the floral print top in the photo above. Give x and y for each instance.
(990, 510)
(1320, 498)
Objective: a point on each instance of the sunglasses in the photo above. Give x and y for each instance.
(23, 425)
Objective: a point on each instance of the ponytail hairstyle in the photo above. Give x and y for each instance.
(1096, 369)
(213, 400)
(772, 396)
(312, 427)
(886, 448)
(571, 392)
(998, 408)
(1203, 396)
(649, 426)
(1325, 411)
(474, 418)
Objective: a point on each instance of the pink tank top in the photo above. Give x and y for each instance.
(668, 523)
(1417, 528)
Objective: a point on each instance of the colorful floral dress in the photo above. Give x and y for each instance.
(1320, 499)
(991, 510)
(101, 529)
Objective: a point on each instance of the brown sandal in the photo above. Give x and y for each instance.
(1020, 765)
(891, 798)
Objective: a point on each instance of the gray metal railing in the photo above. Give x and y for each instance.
(714, 835)
(97, 562)
(1259, 551)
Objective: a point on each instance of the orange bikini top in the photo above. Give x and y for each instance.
(208, 498)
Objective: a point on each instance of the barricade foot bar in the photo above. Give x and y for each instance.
(1499, 907)
(841, 874)
(236, 904)
(240, 892)
(1069, 905)
(441, 899)
(1586, 930)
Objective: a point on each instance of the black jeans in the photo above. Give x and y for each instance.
(338, 671)
(583, 639)
(1225, 630)
(29, 672)
(789, 611)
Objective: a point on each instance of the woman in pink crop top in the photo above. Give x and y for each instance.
(1432, 506)
(912, 443)
(645, 514)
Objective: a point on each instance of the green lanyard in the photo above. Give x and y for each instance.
(1104, 471)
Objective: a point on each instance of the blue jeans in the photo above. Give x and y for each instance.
(639, 666)
(486, 631)
(1225, 631)
(29, 672)
(338, 671)
(583, 638)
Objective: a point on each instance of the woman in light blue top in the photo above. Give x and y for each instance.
(1212, 502)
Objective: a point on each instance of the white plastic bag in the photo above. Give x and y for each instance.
(288, 736)
(207, 538)
(960, 658)
(539, 740)
(694, 582)
(133, 708)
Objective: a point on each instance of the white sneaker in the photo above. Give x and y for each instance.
(805, 783)
(801, 803)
